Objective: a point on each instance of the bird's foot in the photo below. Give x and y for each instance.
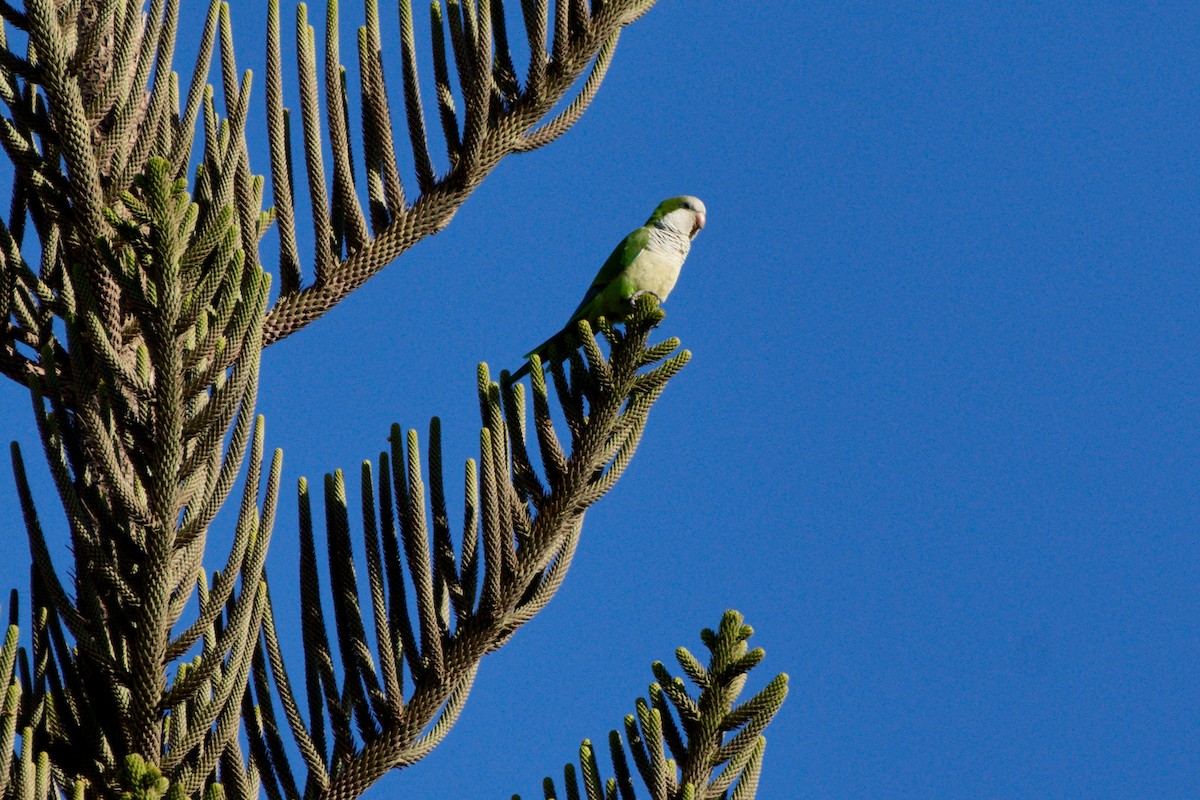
(633, 300)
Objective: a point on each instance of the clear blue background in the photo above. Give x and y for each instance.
(939, 438)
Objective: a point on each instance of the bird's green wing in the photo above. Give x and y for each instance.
(610, 271)
(621, 257)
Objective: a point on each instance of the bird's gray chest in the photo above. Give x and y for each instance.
(657, 267)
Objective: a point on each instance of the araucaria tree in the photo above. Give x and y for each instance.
(135, 308)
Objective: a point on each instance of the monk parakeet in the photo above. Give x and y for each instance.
(647, 261)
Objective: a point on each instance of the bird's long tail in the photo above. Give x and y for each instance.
(550, 351)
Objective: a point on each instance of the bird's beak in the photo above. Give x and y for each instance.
(698, 224)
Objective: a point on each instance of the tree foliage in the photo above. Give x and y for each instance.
(684, 747)
(137, 329)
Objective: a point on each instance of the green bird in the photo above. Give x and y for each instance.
(647, 261)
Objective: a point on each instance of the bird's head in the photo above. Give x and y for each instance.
(684, 214)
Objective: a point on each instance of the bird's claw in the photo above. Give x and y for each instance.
(633, 300)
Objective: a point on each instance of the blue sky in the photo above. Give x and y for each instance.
(939, 439)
